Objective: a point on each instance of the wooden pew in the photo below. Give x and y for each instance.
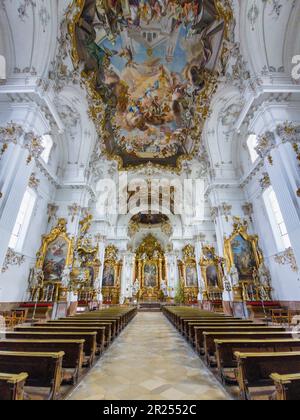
(89, 347)
(199, 332)
(12, 386)
(44, 369)
(191, 326)
(100, 332)
(226, 349)
(255, 370)
(92, 318)
(210, 337)
(78, 321)
(185, 322)
(287, 387)
(73, 350)
(73, 324)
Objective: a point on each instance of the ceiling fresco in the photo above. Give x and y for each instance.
(150, 68)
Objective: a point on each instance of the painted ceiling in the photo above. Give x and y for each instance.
(150, 68)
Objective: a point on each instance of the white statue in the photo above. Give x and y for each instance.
(37, 278)
(82, 276)
(65, 277)
(144, 256)
(164, 288)
(264, 275)
(234, 274)
(136, 287)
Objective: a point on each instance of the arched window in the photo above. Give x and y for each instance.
(2, 69)
(47, 144)
(276, 219)
(252, 143)
(23, 220)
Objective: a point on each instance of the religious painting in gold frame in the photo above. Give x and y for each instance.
(241, 250)
(112, 269)
(56, 252)
(150, 275)
(212, 273)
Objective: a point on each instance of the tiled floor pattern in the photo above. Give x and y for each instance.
(149, 361)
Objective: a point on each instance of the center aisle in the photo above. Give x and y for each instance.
(149, 361)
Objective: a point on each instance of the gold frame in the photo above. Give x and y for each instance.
(97, 112)
(209, 259)
(189, 260)
(155, 263)
(59, 231)
(111, 260)
(241, 229)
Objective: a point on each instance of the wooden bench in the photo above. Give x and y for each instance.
(100, 332)
(44, 369)
(73, 349)
(287, 387)
(73, 324)
(226, 349)
(89, 347)
(199, 332)
(192, 326)
(78, 321)
(12, 386)
(210, 337)
(186, 322)
(255, 370)
(118, 321)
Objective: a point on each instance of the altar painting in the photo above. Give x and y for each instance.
(191, 276)
(108, 276)
(55, 259)
(244, 256)
(150, 275)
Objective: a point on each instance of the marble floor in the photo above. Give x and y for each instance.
(149, 361)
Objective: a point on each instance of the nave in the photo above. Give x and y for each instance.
(150, 360)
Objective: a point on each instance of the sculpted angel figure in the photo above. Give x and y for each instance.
(234, 274)
(65, 277)
(37, 278)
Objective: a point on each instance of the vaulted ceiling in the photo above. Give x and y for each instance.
(35, 40)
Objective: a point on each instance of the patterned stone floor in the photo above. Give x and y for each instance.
(149, 361)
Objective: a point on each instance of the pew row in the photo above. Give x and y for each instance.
(73, 353)
(254, 372)
(44, 369)
(287, 387)
(226, 349)
(89, 347)
(204, 330)
(100, 332)
(12, 386)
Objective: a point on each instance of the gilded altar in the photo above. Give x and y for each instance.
(245, 263)
(150, 270)
(86, 265)
(111, 280)
(54, 257)
(212, 271)
(188, 274)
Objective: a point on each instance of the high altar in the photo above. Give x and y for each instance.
(150, 271)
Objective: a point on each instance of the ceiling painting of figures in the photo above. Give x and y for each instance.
(150, 67)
